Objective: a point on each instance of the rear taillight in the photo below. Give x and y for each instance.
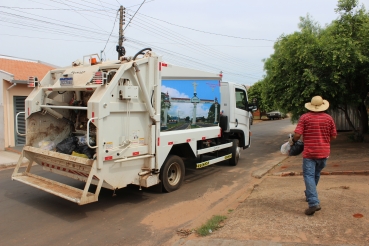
(99, 78)
(32, 81)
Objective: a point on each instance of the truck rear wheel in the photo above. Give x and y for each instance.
(172, 173)
(235, 151)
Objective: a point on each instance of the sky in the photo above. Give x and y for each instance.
(233, 36)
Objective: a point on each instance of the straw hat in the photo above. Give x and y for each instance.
(317, 104)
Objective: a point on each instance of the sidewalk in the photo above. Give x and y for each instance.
(9, 159)
(273, 214)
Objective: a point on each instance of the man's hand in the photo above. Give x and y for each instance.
(296, 137)
(291, 142)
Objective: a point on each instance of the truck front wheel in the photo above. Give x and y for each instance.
(235, 151)
(172, 173)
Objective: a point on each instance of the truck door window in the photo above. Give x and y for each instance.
(240, 99)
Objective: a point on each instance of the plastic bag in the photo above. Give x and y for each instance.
(297, 148)
(79, 155)
(85, 150)
(67, 145)
(46, 145)
(82, 140)
(285, 148)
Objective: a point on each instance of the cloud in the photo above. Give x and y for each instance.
(186, 109)
(173, 92)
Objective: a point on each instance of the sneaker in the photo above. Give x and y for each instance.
(311, 210)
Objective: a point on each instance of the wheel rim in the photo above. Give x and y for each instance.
(237, 154)
(174, 173)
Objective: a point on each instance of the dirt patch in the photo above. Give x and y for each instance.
(183, 212)
(186, 216)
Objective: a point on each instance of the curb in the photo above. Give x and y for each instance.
(286, 174)
(13, 150)
(13, 164)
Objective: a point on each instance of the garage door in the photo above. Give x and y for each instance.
(19, 107)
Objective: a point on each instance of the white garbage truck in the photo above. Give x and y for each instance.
(129, 121)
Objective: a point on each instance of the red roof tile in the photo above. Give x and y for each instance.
(23, 69)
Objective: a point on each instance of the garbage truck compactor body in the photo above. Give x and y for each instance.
(135, 119)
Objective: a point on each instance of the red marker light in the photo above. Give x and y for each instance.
(99, 78)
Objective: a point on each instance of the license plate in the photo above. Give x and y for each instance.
(66, 81)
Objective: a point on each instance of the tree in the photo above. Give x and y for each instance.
(332, 62)
(211, 113)
(164, 99)
(255, 92)
(349, 59)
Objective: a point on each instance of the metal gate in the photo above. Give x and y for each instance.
(18, 103)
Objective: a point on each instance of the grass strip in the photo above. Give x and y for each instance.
(211, 225)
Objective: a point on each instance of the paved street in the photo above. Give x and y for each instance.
(133, 217)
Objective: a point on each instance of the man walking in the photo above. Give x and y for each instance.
(317, 129)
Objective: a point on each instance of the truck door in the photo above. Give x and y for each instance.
(242, 118)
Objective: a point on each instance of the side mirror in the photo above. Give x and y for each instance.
(252, 107)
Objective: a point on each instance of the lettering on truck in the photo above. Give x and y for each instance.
(207, 163)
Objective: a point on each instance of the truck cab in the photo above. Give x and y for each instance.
(236, 107)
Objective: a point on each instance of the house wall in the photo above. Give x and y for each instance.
(4, 79)
(18, 90)
(2, 120)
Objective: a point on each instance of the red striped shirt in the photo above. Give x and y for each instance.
(317, 128)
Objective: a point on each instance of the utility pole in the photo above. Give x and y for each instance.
(120, 49)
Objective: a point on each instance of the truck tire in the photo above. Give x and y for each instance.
(172, 173)
(234, 150)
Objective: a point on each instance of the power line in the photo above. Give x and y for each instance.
(193, 61)
(99, 16)
(141, 22)
(49, 23)
(188, 42)
(221, 45)
(121, 4)
(58, 9)
(82, 41)
(134, 15)
(217, 34)
(110, 33)
(78, 13)
(138, 4)
(211, 54)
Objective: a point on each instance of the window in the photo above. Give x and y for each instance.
(240, 99)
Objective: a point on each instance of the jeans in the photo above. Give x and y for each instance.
(312, 169)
